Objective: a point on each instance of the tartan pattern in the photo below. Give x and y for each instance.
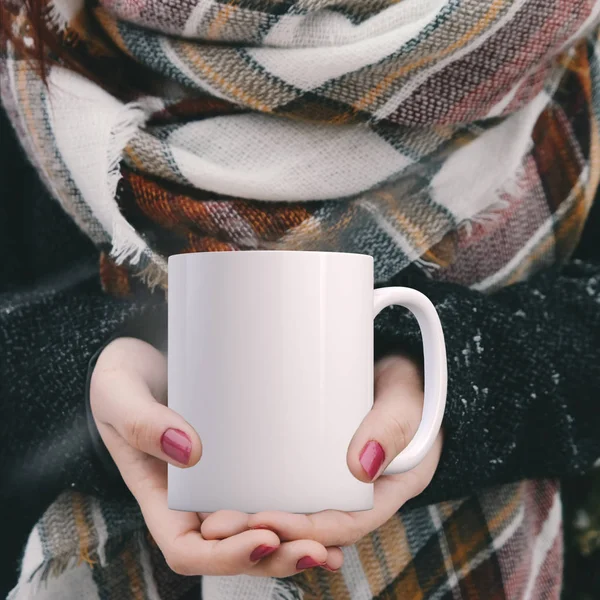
(459, 135)
(406, 165)
(502, 543)
(389, 89)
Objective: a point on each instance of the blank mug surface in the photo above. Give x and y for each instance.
(271, 361)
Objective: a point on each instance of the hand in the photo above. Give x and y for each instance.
(128, 396)
(383, 434)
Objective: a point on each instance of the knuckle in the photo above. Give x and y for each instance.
(384, 373)
(97, 387)
(94, 394)
(100, 392)
(311, 529)
(226, 568)
(399, 431)
(104, 380)
(398, 371)
(110, 359)
(356, 534)
(178, 563)
(348, 536)
(350, 539)
(416, 483)
(137, 433)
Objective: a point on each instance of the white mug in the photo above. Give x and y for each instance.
(271, 361)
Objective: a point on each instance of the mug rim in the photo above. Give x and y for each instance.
(271, 252)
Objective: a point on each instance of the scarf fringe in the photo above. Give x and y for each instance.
(380, 191)
(62, 12)
(488, 217)
(54, 567)
(154, 274)
(51, 568)
(127, 245)
(514, 187)
(426, 265)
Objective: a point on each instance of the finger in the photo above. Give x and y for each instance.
(192, 555)
(391, 423)
(329, 527)
(336, 528)
(223, 524)
(187, 552)
(291, 558)
(178, 533)
(134, 355)
(390, 494)
(122, 399)
(335, 559)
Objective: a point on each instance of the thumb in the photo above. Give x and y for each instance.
(121, 398)
(392, 422)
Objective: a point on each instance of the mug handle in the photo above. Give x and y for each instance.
(436, 372)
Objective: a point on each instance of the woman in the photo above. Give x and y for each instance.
(456, 142)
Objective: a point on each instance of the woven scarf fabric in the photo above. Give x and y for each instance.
(502, 544)
(373, 127)
(457, 135)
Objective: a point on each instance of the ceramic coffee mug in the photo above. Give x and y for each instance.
(271, 361)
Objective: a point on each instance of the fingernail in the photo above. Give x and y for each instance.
(371, 458)
(306, 562)
(328, 568)
(262, 551)
(177, 445)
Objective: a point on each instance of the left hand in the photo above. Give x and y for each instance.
(383, 434)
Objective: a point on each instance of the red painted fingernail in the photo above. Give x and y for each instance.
(177, 445)
(371, 458)
(262, 551)
(306, 562)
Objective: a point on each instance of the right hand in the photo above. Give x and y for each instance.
(128, 400)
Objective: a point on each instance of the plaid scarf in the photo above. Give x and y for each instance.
(504, 543)
(419, 132)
